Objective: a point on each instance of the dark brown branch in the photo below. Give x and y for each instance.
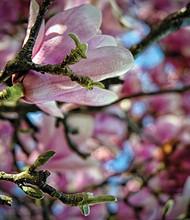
(170, 24)
(71, 144)
(30, 177)
(23, 60)
(29, 45)
(159, 92)
(20, 108)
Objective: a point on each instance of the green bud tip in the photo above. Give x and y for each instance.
(43, 158)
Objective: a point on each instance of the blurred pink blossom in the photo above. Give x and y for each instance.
(164, 152)
(131, 85)
(10, 16)
(6, 135)
(178, 42)
(145, 202)
(165, 104)
(74, 172)
(164, 129)
(109, 129)
(155, 10)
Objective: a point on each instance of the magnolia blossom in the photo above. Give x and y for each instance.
(104, 58)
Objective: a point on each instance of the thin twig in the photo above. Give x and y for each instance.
(71, 144)
(153, 93)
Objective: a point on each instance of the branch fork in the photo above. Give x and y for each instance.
(33, 183)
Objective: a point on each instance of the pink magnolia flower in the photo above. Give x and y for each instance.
(104, 59)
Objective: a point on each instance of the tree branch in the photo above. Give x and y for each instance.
(29, 177)
(159, 92)
(29, 45)
(20, 107)
(71, 144)
(23, 60)
(168, 25)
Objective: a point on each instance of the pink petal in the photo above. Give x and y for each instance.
(45, 87)
(102, 63)
(101, 41)
(105, 62)
(186, 188)
(95, 97)
(83, 21)
(51, 108)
